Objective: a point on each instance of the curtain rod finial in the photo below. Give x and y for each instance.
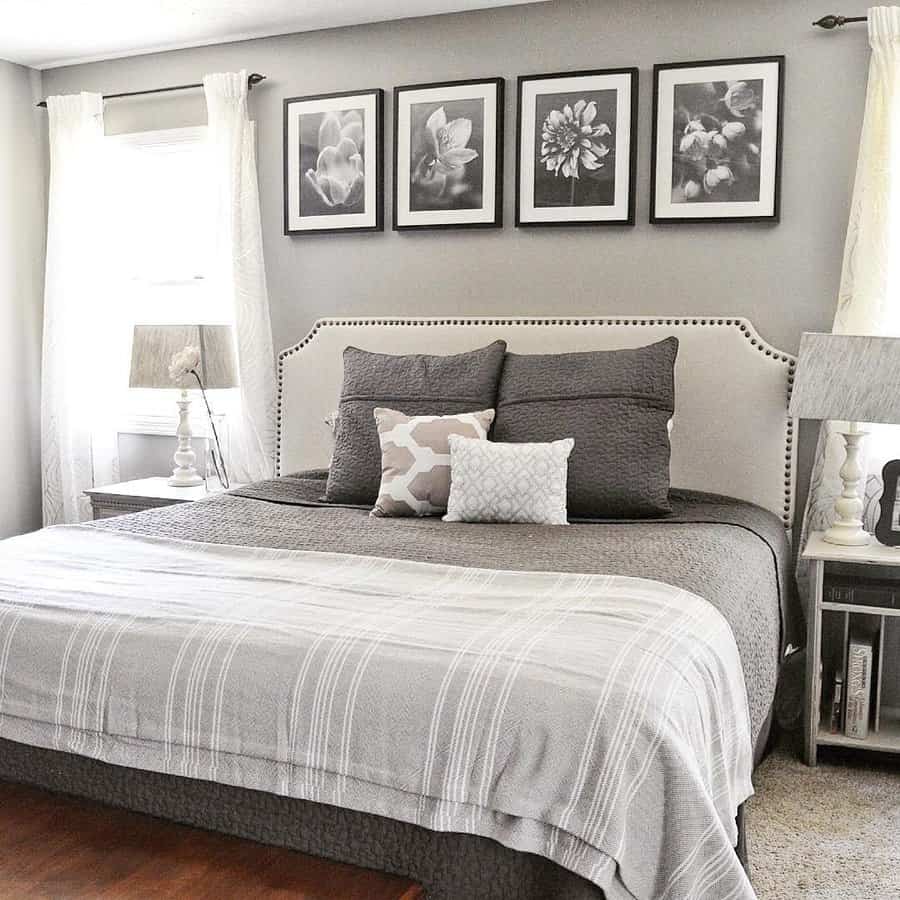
(831, 21)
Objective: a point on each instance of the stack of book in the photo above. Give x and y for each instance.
(851, 699)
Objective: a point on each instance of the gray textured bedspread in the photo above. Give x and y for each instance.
(677, 738)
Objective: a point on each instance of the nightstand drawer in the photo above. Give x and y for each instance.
(145, 493)
(104, 508)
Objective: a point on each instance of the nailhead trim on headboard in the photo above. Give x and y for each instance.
(734, 322)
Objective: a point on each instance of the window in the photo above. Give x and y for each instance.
(160, 254)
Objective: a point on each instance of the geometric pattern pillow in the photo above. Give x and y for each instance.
(415, 459)
(495, 482)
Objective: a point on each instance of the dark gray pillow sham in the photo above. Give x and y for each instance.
(416, 385)
(616, 405)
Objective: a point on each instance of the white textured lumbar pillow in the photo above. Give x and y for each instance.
(492, 482)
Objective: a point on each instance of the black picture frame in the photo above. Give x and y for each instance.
(629, 219)
(885, 532)
(656, 218)
(377, 144)
(497, 193)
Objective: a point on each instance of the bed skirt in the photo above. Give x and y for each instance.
(451, 866)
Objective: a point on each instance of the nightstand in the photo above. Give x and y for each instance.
(884, 733)
(145, 493)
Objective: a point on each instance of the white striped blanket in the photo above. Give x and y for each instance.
(600, 721)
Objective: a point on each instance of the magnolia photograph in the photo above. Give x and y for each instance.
(575, 148)
(717, 140)
(328, 142)
(446, 149)
(448, 141)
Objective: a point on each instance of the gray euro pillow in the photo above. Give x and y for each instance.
(616, 404)
(416, 385)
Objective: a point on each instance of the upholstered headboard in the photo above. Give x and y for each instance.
(732, 433)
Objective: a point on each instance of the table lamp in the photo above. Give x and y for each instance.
(152, 351)
(852, 379)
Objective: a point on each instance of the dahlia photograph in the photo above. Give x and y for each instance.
(575, 149)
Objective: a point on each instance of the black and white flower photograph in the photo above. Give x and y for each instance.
(576, 148)
(448, 141)
(447, 149)
(332, 159)
(718, 157)
(332, 154)
(716, 140)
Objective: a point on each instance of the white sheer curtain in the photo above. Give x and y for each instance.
(78, 445)
(239, 273)
(869, 294)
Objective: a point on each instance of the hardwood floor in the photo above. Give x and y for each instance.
(63, 848)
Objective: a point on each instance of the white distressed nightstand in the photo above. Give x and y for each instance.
(886, 737)
(145, 493)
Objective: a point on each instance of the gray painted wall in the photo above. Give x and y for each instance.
(783, 277)
(22, 226)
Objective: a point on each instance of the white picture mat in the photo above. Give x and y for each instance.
(404, 215)
(622, 83)
(668, 78)
(368, 219)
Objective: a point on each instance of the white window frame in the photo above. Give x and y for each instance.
(157, 415)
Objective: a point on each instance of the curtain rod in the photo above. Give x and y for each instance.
(832, 21)
(252, 80)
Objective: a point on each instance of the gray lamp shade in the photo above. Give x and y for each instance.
(852, 378)
(154, 346)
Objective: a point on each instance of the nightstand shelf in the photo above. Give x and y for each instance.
(884, 731)
(886, 739)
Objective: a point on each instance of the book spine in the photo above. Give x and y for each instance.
(859, 689)
(836, 703)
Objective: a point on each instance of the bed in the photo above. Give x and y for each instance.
(163, 700)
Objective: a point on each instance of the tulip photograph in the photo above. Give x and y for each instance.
(332, 153)
(332, 161)
(448, 154)
(717, 140)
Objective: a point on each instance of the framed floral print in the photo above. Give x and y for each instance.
(575, 148)
(717, 141)
(333, 163)
(448, 155)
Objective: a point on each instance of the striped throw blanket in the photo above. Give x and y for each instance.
(600, 721)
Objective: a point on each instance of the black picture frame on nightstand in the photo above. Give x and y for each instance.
(887, 530)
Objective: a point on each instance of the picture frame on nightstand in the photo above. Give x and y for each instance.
(887, 530)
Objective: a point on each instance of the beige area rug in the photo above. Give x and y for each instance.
(828, 833)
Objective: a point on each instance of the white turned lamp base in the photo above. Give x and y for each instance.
(847, 529)
(184, 474)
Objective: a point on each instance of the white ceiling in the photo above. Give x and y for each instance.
(49, 33)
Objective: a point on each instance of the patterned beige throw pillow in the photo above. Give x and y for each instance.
(494, 482)
(415, 459)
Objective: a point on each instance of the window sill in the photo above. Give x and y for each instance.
(162, 425)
